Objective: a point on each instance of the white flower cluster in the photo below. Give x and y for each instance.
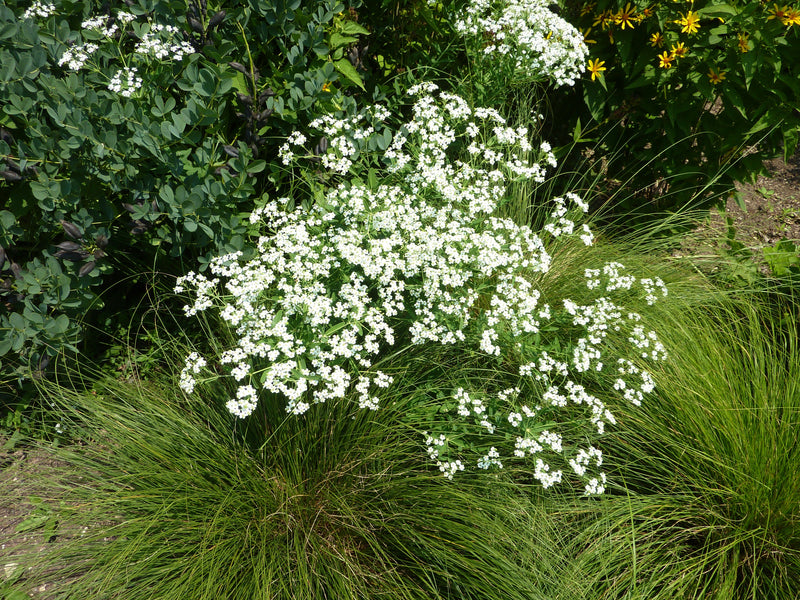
(125, 82)
(159, 42)
(557, 388)
(420, 256)
(541, 43)
(194, 364)
(100, 24)
(39, 9)
(346, 138)
(77, 56)
(343, 277)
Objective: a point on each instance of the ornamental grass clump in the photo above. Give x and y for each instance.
(420, 259)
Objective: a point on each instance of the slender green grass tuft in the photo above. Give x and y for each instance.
(718, 447)
(181, 501)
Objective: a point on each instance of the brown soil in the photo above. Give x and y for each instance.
(20, 500)
(771, 213)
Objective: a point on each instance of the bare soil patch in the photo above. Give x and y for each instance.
(771, 213)
(29, 524)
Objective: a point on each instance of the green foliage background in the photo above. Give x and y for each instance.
(674, 125)
(95, 184)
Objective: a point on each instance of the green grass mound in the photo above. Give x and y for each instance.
(182, 503)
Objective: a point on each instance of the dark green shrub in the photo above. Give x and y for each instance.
(102, 167)
(693, 91)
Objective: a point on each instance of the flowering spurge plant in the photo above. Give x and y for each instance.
(528, 35)
(420, 258)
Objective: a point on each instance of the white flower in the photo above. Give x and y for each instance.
(159, 43)
(99, 24)
(194, 364)
(492, 459)
(125, 82)
(77, 56)
(245, 402)
(39, 9)
(125, 17)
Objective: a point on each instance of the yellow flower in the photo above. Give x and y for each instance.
(778, 12)
(657, 40)
(587, 8)
(326, 87)
(716, 77)
(665, 60)
(792, 17)
(624, 18)
(679, 50)
(744, 42)
(596, 68)
(689, 23)
(604, 19)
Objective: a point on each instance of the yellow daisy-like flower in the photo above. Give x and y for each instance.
(778, 12)
(665, 60)
(744, 42)
(587, 8)
(716, 77)
(596, 68)
(679, 50)
(657, 40)
(689, 23)
(604, 19)
(625, 17)
(792, 17)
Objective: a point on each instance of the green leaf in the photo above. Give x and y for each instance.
(749, 62)
(790, 140)
(7, 219)
(256, 166)
(57, 326)
(732, 98)
(372, 179)
(8, 30)
(595, 99)
(349, 71)
(15, 437)
(781, 257)
(5, 345)
(353, 28)
(338, 40)
(35, 521)
(207, 83)
(717, 10)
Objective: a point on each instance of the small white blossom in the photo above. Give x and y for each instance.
(194, 364)
(125, 82)
(39, 9)
(77, 56)
(159, 43)
(125, 17)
